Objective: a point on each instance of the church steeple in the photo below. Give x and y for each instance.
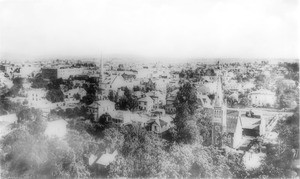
(101, 71)
(219, 119)
(101, 80)
(219, 94)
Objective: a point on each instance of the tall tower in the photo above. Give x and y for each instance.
(219, 115)
(101, 72)
(101, 80)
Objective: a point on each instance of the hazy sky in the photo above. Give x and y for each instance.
(31, 29)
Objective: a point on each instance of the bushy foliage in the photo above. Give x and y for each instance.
(55, 95)
(28, 153)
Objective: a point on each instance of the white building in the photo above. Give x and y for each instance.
(146, 104)
(262, 97)
(4, 81)
(34, 96)
(98, 108)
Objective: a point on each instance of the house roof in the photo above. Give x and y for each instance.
(137, 93)
(106, 158)
(129, 117)
(232, 120)
(174, 92)
(76, 90)
(171, 98)
(147, 99)
(115, 78)
(249, 122)
(154, 94)
(206, 104)
(11, 118)
(263, 91)
(56, 128)
(160, 122)
(5, 121)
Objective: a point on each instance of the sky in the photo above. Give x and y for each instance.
(33, 29)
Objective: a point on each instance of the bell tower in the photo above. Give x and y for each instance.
(101, 81)
(219, 115)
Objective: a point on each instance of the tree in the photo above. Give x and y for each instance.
(28, 114)
(127, 101)
(15, 89)
(77, 96)
(38, 82)
(111, 96)
(55, 84)
(7, 106)
(262, 81)
(287, 97)
(187, 96)
(280, 156)
(30, 154)
(292, 70)
(113, 138)
(140, 156)
(244, 100)
(88, 99)
(150, 86)
(136, 88)
(55, 95)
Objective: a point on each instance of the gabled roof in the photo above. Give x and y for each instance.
(160, 122)
(249, 122)
(137, 93)
(232, 118)
(76, 90)
(263, 91)
(147, 99)
(106, 158)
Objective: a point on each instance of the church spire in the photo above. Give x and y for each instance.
(101, 80)
(101, 70)
(219, 94)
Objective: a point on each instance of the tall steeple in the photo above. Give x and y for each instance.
(219, 94)
(101, 80)
(101, 71)
(219, 119)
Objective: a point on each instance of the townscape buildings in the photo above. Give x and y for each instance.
(235, 94)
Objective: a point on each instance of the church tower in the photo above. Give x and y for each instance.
(101, 80)
(219, 115)
(101, 73)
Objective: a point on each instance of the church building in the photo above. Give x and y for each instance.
(227, 127)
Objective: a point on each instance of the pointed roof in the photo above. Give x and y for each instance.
(158, 121)
(107, 158)
(146, 99)
(219, 94)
